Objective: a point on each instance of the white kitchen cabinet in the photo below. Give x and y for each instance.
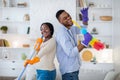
(11, 61)
(10, 68)
(97, 69)
(101, 56)
(15, 15)
(104, 29)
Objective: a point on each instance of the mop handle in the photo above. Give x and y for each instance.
(36, 49)
(19, 78)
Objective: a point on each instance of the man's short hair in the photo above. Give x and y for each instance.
(59, 13)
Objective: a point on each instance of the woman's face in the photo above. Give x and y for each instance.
(45, 31)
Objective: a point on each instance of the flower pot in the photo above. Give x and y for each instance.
(4, 32)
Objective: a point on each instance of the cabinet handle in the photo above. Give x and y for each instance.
(13, 61)
(13, 68)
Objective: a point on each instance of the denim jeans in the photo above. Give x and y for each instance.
(46, 75)
(71, 76)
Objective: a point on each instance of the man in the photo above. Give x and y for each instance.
(67, 47)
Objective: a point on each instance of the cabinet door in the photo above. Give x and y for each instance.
(10, 68)
(15, 15)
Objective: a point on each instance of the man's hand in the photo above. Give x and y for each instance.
(87, 37)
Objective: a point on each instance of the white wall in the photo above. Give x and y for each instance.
(45, 11)
(116, 33)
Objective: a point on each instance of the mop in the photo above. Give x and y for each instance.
(35, 51)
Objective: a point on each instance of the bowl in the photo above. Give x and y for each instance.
(106, 18)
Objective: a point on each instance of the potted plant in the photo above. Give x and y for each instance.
(4, 29)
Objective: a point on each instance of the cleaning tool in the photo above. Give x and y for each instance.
(88, 38)
(35, 51)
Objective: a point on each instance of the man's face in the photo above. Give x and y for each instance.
(65, 19)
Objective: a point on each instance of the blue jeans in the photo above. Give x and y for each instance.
(46, 75)
(71, 76)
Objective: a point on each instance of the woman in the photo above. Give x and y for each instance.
(44, 60)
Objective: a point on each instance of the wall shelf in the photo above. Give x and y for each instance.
(98, 8)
